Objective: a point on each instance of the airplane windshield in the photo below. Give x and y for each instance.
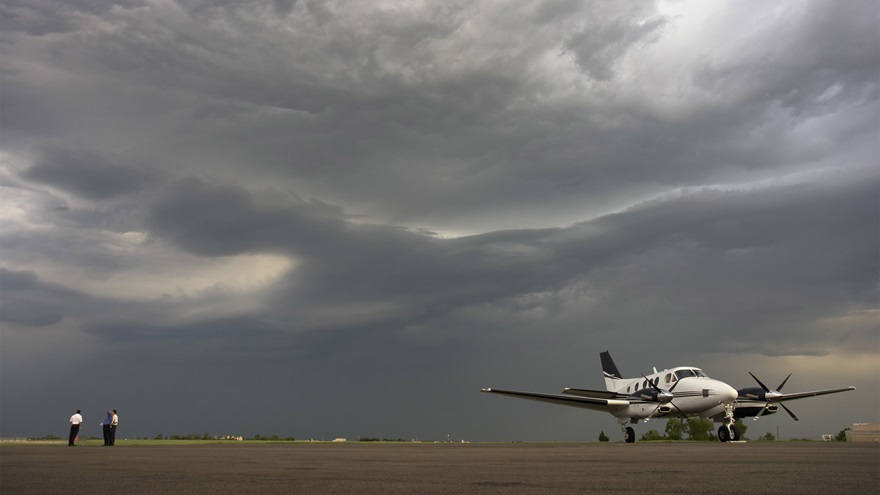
(690, 373)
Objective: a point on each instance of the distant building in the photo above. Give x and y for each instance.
(340, 440)
(864, 432)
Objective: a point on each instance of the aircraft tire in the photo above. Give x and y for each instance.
(734, 433)
(629, 435)
(723, 434)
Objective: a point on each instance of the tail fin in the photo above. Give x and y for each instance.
(610, 371)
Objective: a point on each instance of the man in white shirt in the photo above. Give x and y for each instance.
(113, 422)
(75, 422)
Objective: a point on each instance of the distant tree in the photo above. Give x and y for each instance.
(159, 437)
(45, 437)
(206, 436)
(674, 429)
(700, 429)
(652, 435)
(191, 436)
(768, 437)
(741, 428)
(841, 435)
(603, 437)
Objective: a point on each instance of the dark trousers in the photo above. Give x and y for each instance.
(74, 430)
(112, 434)
(106, 429)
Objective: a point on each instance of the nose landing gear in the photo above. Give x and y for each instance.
(728, 432)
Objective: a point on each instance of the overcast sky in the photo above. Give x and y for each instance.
(342, 218)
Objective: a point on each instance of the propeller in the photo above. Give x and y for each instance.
(663, 397)
(771, 395)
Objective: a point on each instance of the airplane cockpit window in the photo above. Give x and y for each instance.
(694, 372)
(685, 374)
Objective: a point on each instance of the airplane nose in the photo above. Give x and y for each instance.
(728, 393)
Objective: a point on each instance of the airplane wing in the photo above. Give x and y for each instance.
(595, 394)
(756, 407)
(564, 400)
(801, 395)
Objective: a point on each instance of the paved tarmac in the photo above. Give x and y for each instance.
(363, 468)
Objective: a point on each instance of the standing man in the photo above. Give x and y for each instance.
(105, 427)
(113, 422)
(75, 422)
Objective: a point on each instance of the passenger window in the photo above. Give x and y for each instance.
(627, 389)
(668, 375)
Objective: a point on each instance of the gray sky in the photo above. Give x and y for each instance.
(341, 219)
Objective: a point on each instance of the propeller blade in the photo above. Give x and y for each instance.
(779, 388)
(789, 412)
(674, 385)
(761, 384)
(683, 415)
(761, 411)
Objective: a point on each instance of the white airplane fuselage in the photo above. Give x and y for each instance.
(696, 395)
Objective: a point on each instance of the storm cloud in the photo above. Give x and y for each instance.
(329, 218)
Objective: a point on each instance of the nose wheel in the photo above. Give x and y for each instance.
(724, 434)
(629, 435)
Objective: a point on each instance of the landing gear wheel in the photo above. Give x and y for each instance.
(735, 434)
(629, 435)
(724, 433)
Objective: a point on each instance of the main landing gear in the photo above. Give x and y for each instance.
(629, 435)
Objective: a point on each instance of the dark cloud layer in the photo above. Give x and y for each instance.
(330, 219)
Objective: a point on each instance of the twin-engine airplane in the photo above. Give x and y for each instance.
(683, 391)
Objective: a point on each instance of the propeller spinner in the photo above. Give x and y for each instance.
(659, 395)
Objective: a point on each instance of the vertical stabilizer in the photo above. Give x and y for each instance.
(610, 371)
